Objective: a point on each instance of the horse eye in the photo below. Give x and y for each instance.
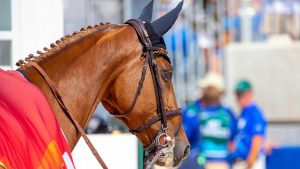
(167, 74)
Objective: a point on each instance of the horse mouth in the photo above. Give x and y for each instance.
(166, 162)
(169, 159)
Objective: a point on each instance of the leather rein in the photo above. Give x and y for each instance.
(165, 139)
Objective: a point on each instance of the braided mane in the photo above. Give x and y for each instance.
(54, 47)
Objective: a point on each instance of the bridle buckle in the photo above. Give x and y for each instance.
(166, 139)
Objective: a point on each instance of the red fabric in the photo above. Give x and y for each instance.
(30, 137)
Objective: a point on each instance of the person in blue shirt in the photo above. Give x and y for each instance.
(209, 126)
(251, 128)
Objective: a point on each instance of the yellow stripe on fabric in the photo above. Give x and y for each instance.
(52, 158)
(2, 165)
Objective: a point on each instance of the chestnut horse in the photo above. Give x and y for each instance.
(104, 63)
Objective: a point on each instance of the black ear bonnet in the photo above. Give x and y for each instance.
(162, 25)
(155, 39)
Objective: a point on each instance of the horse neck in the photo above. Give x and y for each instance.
(82, 71)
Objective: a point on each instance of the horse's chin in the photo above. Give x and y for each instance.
(166, 160)
(168, 164)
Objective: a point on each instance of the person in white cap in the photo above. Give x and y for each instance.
(210, 126)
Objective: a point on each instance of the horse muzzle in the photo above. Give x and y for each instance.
(181, 149)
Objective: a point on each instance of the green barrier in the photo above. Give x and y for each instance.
(140, 155)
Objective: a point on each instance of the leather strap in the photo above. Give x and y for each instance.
(155, 158)
(155, 149)
(156, 119)
(138, 92)
(69, 115)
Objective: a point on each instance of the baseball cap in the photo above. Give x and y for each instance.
(243, 86)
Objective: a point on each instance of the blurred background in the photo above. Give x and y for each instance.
(253, 39)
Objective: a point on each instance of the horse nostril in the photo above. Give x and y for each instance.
(186, 151)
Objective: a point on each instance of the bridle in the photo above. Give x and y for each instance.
(165, 138)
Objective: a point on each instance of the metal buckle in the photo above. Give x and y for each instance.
(166, 138)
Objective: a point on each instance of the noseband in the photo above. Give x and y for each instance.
(165, 139)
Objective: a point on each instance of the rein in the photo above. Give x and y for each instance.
(69, 115)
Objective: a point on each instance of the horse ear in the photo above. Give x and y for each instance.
(164, 23)
(146, 14)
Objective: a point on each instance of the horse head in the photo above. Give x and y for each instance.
(127, 68)
(145, 100)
